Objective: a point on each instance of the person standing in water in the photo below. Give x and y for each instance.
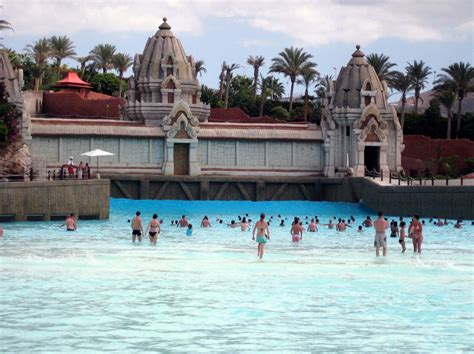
(183, 222)
(189, 230)
(137, 227)
(380, 226)
(70, 223)
(416, 232)
(205, 222)
(296, 231)
(263, 234)
(244, 225)
(313, 226)
(154, 227)
(402, 235)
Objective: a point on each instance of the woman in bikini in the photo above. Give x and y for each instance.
(296, 231)
(263, 234)
(154, 229)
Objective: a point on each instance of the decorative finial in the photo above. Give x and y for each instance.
(357, 46)
(165, 19)
(358, 53)
(165, 26)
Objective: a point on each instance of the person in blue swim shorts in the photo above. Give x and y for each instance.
(263, 234)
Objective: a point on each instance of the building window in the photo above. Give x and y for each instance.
(348, 130)
(170, 97)
(194, 99)
(169, 71)
(367, 100)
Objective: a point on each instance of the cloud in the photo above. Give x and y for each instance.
(254, 42)
(307, 22)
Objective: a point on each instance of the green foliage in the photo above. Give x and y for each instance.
(469, 165)
(211, 97)
(279, 112)
(448, 166)
(105, 83)
(241, 95)
(9, 117)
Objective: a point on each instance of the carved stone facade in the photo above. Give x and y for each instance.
(360, 130)
(163, 76)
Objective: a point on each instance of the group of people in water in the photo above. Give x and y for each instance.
(261, 229)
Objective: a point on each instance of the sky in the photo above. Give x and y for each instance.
(439, 32)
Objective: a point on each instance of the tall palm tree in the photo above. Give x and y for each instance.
(323, 86)
(308, 77)
(277, 89)
(290, 63)
(459, 77)
(228, 77)
(419, 72)
(222, 80)
(40, 52)
(402, 83)
(103, 54)
(121, 62)
(83, 62)
(199, 68)
(61, 48)
(5, 25)
(265, 91)
(257, 62)
(381, 64)
(447, 98)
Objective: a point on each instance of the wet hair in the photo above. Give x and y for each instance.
(172, 222)
(416, 217)
(359, 228)
(312, 220)
(262, 216)
(423, 222)
(244, 219)
(240, 218)
(71, 215)
(232, 222)
(137, 213)
(317, 220)
(155, 216)
(340, 219)
(395, 224)
(182, 217)
(247, 214)
(368, 217)
(379, 213)
(250, 220)
(220, 221)
(205, 217)
(403, 224)
(190, 226)
(352, 218)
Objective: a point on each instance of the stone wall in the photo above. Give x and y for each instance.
(129, 152)
(262, 155)
(88, 199)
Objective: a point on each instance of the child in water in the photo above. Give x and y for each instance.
(402, 235)
(189, 231)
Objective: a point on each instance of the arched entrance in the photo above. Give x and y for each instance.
(372, 158)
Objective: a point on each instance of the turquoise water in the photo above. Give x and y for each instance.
(93, 290)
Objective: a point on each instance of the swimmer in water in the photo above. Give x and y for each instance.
(137, 227)
(359, 229)
(367, 222)
(312, 227)
(233, 224)
(341, 226)
(205, 222)
(282, 223)
(244, 225)
(458, 224)
(416, 232)
(402, 235)
(154, 227)
(380, 226)
(70, 223)
(189, 231)
(296, 231)
(263, 234)
(183, 222)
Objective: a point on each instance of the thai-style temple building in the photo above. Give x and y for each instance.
(165, 129)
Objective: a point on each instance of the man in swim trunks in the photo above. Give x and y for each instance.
(70, 223)
(296, 230)
(263, 234)
(154, 227)
(380, 226)
(205, 222)
(183, 222)
(137, 227)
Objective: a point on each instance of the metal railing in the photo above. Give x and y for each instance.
(51, 175)
(402, 179)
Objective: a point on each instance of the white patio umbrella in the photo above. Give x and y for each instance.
(97, 153)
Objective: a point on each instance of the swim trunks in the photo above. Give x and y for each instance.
(71, 230)
(380, 240)
(153, 233)
(295, 238)
(136, 232)
(261, 239)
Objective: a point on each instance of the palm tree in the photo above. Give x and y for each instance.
(121, 63)
(265, 90)
(103, 54)
(228, 77)
(257, 62)
(447, 98)
(419, 73)
(381, 64)
(402, 83)
(5, 25)
(459, 78)
(83, 62)
(277, 89)
(199, 68)
(308, 77)
(61, 48)
(290, 63)
(39, 51)
(323, 86)
(222, 80)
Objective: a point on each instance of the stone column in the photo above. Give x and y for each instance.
(168, 163)
(359, 168)
(383, 159)
(194, 168)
